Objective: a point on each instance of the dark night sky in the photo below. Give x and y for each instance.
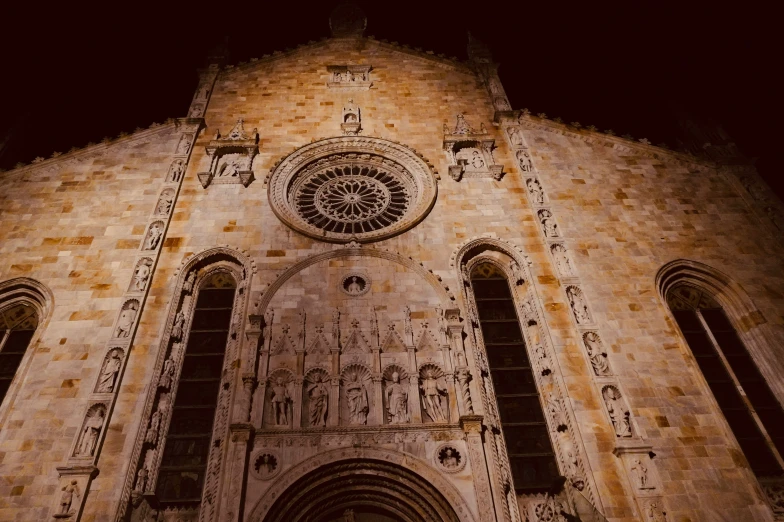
(74, 74)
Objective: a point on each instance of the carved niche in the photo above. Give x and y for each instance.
(395, 380)
(110, 370)
(141, 275)
(470, 152)
(231, 157)
(90, 432)
(619, 412)
(349, 76)
(127, 318)
(280, 400)
(316, 398)
(434, 394)
(356, 386)
(351, 120)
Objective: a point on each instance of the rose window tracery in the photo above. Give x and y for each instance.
(352, 189)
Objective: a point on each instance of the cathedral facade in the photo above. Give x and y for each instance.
(354, 284)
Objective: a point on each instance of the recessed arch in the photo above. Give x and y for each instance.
(399, 484)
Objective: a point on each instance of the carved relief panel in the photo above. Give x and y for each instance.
(231, 157)
(349, 77)
(470, 152)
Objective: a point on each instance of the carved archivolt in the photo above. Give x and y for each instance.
(150, 440)
(307, 488)
(352, 189)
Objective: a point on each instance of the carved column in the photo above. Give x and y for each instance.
(379, 398)
(472, 427)
(333, 414)
(235, 472)
(414, 404)
(297, 399)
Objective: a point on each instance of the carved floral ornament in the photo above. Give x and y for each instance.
(352, 189)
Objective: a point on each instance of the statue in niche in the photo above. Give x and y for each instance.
(357, 398)
(175, 171)
(111, 368)
(535, 189)
(652, 513)
(593, 344)
(450, 458)
(153, 236)
(548, 224)
(280, 402)
(397, 401)
(562, 261)
(578, 304)
(179, 322)
(185, 144)
(167, 374)
(231, 166)
(515, 137)
(319, 401)
(127, 316)
(165, 203)
(355, 285)
(152, 432)
(432, 391)
(69, 493)
(619, 415)
(524, 160)
(88, 439)
(142, 274)
(640, 472)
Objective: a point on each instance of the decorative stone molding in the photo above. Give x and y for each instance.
(361, 179)
(349, 77)
(231, 157)
(470, 152)
(449, 458)
(265, 464)
(355, 284)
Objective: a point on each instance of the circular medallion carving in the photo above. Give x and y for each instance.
(449, 459)
(265, 464)
(355, 284)
(352, 189)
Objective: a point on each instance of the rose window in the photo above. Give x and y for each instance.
(351, 199)
(352, 189)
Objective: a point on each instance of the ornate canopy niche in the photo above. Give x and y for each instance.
(383, 482)
(352, 189)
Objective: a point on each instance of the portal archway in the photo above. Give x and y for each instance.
(384, 484)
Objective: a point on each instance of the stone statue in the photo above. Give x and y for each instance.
(319, 401)
(578, 304)
(125, 322)
(462, 127)
(176, 171)
(593, 344)
(432, 391)
(153, 237)
(357, 398)
(477, 161)
(397, 401)
(69, 493)
(184, 147)
(652, 513)
(188, 284)
(142, 274)
(88, 439)
(179, 322)
(152, 432)
(280, 402)
(619, 416)
(549, 226)
(640, 472)
(562, 261)
(141, 480)
(535, 189)
(167, 374)
(108, 377)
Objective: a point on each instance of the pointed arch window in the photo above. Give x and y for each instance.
(523, 422)
(184, 462)
(17, 326)
(752, 411)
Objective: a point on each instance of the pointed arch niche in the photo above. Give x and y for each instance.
(25, 307)
(726, 335)
(180, 447)
(532, 433)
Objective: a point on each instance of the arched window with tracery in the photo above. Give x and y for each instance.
(184, 464)
(18, 323)
(752, 411)
(531, 455)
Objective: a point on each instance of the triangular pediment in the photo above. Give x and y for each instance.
(393, 342)
(283, 344)
(356, 343)
(318, 345)
(426, 341)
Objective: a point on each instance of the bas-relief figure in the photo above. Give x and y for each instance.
(578, 305)
(640, 473)
(524, 160)
(562, 261)
(397, 401)
(318, 394)
(68, 494)
(619, 414)
(142, 274)
(596, 354)
(91, 430)
(549, 226)
(154, 236)
(179, 322)
(165, 203)
(111, 368)
(535, 189)
(126, 319)
(515, 137)
(167, 374)
(175, 171)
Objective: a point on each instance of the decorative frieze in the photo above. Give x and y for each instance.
(355, 77)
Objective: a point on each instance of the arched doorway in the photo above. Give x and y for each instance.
(361, 488)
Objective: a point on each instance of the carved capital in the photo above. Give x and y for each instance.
(471, 424)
